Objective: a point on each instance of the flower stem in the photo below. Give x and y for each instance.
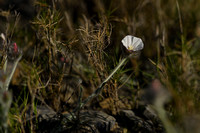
(99, 89)
(7, 82)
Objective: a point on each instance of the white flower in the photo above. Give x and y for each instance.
(133, 43)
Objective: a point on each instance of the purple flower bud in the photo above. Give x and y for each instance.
(13, 51)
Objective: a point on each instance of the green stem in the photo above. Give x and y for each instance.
(159, 107)
(99, 89)
(7, 82)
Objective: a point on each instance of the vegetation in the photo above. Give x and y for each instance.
(70, 47)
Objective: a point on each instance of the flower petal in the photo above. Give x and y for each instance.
(138, 44)
(132, 43)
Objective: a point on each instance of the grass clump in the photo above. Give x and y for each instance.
(70, 47)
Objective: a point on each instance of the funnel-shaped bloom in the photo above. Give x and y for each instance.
(133, 43)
